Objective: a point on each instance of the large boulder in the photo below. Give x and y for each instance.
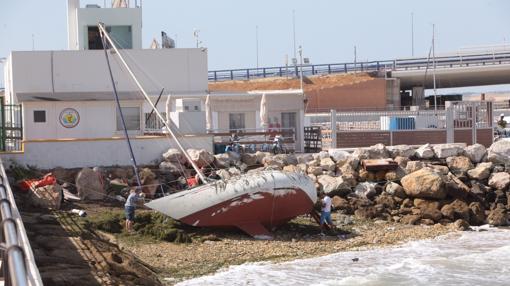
(365, 190)
(395, 190)
(224, 174)
(149, 181)
(378, 151)
(170, 167)
(249, 159)
(287, 159)
(498, 217)
(481, 172)
(499, 152)
(456, 210)
(428, 209)
(274, 162)
(413, 166)
(201, 157)
(475, 152)
(424, 152)
(90, 185)
(424, 184)
(304, 158)
(405, 151)
(499, 181)
(49, 196)
(339, 156)
(477, 213)
(261, 155)
(314, 170)
(333, 185)
(174, 155)
(327, 164)
(459, 165)
(448, 150)
(292, 169)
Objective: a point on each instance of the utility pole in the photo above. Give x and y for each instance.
(294, 30)
(355, 56)
(301, 67)
(412, 34)
(33, 43)
(195, 35)
(257, 45)
(434, 64)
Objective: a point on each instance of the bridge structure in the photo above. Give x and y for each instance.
(471, 67)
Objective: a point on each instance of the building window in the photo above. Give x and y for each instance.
(289, 121)
(122, 35)
(236, 121)
(39, 116)
(131, 117)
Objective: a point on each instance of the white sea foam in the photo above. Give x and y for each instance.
(469, 258)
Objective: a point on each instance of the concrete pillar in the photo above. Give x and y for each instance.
(450, 137)
(333, 128)
(393, 92)
(418, 96)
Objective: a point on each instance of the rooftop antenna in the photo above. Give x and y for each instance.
(33, 43)
(196, 36)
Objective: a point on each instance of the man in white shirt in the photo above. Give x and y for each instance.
(325, 211)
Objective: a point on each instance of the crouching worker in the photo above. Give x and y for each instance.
(132, 200)
(325, 201)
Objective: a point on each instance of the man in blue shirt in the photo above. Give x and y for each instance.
(129, 207)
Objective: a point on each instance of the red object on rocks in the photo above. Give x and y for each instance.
(48, 179)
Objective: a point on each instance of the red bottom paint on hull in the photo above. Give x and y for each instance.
(253, 213)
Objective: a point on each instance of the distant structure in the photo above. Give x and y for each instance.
(166, 41)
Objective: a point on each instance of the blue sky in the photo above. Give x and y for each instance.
(327, 30)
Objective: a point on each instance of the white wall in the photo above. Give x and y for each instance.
(97, 119)
(80, 75)
(91, 153)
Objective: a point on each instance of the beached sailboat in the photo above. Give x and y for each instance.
(255, 203)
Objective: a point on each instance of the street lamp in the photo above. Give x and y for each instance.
(300, 51)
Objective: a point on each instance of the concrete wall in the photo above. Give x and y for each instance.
(97, 120)
(371, 93)
(80, 75)
(89, 153)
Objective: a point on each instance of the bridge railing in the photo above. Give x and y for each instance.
(446, 61)
(18, 261)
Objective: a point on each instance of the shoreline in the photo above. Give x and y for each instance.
(179, 262)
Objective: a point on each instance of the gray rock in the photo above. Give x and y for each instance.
(304, 158)
(49, 196)
(201, 157)
(261, 155)
(170, 167)
(314, 170)
(174, 155)
(365, 190)
(475, 152)
(499, 152)
(424, 184)
(425, 152)
(498, 217)
(333, 185)
(395, 189)
(499, 181)
(339, 156)
(481, 172)
(405, 151)
(249, 159)
(327, 164)
(89, 185)
(224, 174)
(448, 150)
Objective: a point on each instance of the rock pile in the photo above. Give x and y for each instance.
(446, 183)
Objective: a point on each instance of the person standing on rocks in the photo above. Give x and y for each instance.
(325, 211)
(129, 207)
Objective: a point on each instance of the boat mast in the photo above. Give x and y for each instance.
(133, 160)
(107, 37)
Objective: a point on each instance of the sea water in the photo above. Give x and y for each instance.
(469, 258)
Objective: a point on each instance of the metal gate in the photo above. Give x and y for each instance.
(470, 116)
(11, 127)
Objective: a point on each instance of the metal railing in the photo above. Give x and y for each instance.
(18, 263)
(446, 61)
(255, 139)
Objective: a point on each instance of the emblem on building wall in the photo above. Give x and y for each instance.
(69, 118)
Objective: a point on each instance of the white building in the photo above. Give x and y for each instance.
(70, 118)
